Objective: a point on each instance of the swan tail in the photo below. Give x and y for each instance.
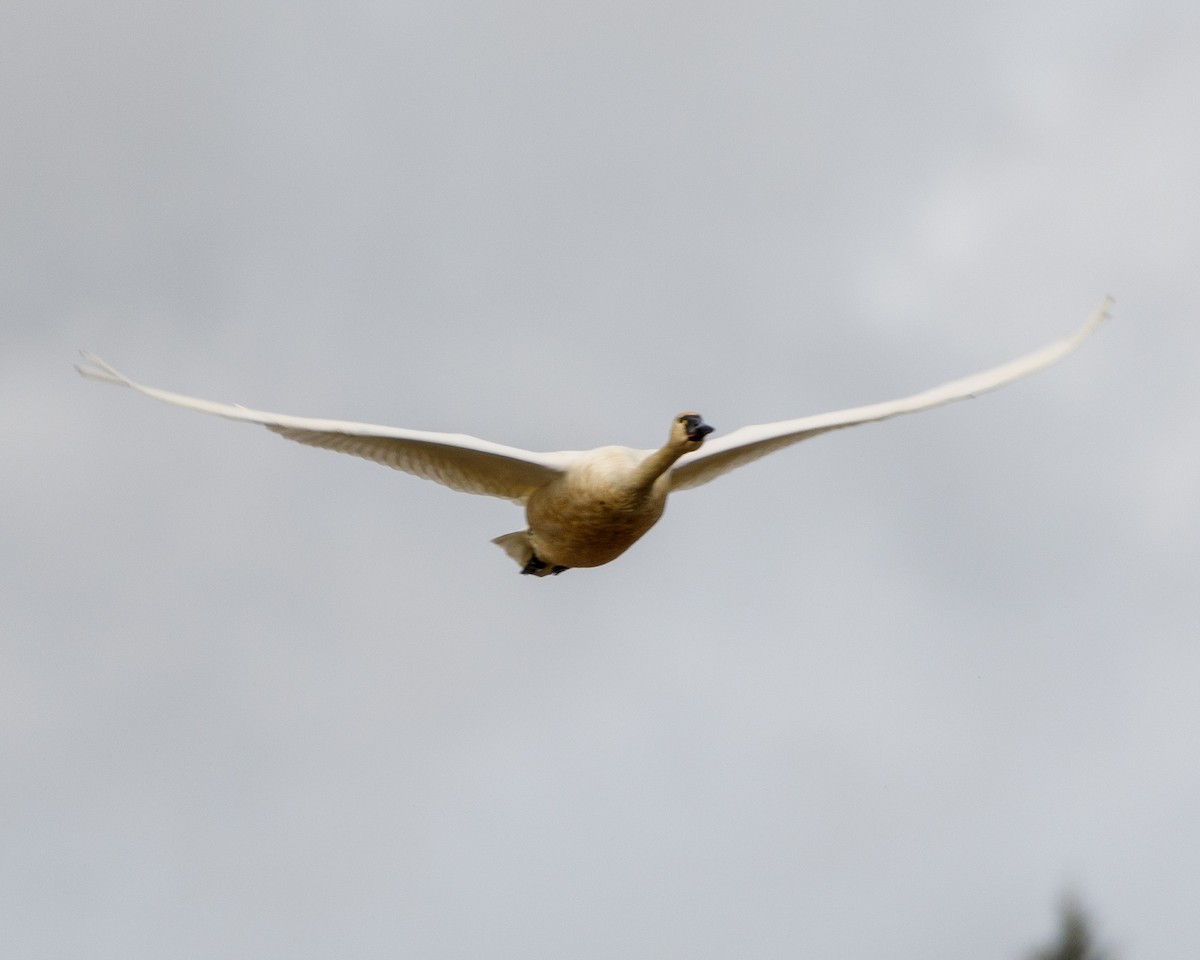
(517, 546)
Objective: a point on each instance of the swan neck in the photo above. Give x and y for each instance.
(658, 463)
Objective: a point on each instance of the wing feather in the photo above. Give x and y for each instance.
(750, 443)
(455, 460)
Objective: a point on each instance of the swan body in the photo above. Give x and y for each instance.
(586, 508)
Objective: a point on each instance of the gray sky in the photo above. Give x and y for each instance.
(888, 693)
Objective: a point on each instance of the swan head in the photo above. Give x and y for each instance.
(690, 430)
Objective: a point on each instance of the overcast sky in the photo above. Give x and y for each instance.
(886, 694)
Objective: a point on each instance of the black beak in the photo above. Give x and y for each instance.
(698, 431)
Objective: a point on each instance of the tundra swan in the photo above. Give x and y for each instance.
(585, 508)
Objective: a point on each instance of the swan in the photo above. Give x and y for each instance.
(585, 508)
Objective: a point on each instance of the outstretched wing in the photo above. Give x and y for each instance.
(453, 459)
(749, 443)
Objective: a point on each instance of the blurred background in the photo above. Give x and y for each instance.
(887, 693)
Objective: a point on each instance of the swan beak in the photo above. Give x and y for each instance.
(699, 431)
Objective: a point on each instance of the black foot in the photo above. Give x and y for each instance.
(534, 566)
(540, 568)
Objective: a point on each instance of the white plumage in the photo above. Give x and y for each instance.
(587, 507)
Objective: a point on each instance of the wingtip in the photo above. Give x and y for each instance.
(1103, 312)
(93, 368)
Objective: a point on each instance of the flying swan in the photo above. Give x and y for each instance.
(587, 507)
